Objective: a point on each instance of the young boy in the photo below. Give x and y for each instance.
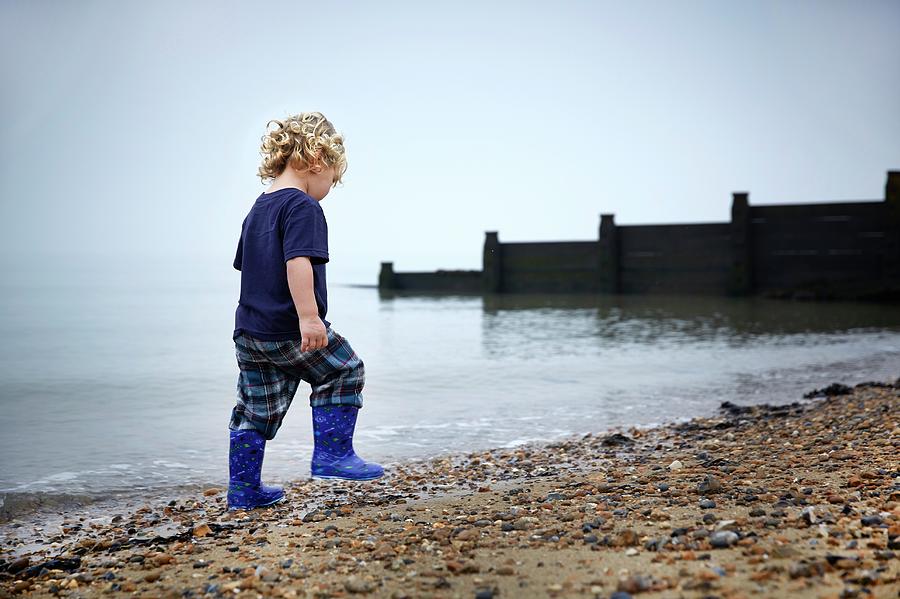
(281, 335)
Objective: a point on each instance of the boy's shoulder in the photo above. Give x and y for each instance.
(286, 203)
(296, 198)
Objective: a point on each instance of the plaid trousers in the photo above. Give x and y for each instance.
(271, 371)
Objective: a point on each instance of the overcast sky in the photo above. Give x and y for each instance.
(131, 130)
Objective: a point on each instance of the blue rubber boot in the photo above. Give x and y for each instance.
(245, 491)
(333, 455)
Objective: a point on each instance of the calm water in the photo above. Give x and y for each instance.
(128, 386)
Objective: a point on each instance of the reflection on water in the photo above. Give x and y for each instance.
(652, 318)
(130, 387)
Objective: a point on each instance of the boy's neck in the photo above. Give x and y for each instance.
(289, 178)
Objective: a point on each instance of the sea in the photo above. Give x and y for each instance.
(123, 385)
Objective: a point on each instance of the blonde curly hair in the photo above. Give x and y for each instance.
(301, 140)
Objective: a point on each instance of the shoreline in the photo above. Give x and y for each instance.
(799, 499)
(34, 507)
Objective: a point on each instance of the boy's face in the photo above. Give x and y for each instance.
(320, 182)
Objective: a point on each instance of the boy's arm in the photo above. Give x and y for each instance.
(300, 281)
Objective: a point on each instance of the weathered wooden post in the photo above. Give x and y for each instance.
(609, 255)
(741, 245)
(892, 251)
(892, 189)
(386, 278)
(492, 263)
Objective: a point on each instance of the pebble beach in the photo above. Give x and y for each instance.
(796, 500)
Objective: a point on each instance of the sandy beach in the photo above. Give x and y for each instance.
(798, 500)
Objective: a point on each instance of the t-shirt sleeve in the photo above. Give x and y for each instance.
(239, 255)
(305, 233)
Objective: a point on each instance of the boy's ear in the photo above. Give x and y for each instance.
(318, 166)
(318, 161)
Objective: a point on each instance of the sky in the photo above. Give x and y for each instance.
(131, 130)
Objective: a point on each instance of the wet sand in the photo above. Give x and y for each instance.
(799, 500)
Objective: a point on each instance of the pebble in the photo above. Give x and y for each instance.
(18, 565)
(152, 576)
(525, 523)
(710, 484)
(469, 534)
(355, 584)
(636, 583)
(726, 525)
(723, 538)
(202, 530)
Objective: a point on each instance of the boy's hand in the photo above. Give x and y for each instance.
(312, 334)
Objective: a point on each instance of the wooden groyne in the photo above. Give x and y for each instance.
(828, 250)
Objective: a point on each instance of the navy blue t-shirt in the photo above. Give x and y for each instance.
(281, 225)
